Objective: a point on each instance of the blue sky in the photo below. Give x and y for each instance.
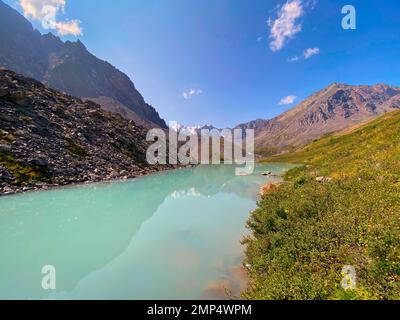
(214, 61)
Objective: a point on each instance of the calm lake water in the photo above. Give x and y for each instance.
(174, 235)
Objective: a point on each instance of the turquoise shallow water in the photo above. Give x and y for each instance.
(174, 235)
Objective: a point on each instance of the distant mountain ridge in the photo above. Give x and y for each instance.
(193, 130)
(335, 108)
(70, 67)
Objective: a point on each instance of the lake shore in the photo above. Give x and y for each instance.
(119, 232)
(9, 190)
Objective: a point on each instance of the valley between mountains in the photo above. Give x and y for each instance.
(67, 117)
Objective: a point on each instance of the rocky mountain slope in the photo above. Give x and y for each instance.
(69, 67)
(335, 108)
(48, 138)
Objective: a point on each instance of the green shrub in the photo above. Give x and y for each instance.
(23, 173)
(76, 149)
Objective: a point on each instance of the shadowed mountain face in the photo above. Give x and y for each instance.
(69, 67)
(334, 108)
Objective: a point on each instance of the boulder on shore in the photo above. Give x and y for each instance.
(267, 173)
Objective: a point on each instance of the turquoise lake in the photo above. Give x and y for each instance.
(174, 235)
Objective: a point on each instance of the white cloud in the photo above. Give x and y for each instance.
(259, 39)
(69, 28)
(311, 4)
(307, 54)
(294, 59)
(285, 26)
(46, 12)
(287, 100)
(189, 94)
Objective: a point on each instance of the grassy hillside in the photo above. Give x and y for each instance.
(305, 232)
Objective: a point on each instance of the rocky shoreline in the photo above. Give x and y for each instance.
(49, 139)
(14, 190)
(36, 187)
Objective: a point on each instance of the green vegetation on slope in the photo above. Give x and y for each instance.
(305, 232)
(23, 173)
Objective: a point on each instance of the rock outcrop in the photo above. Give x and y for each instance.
(48, 138)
